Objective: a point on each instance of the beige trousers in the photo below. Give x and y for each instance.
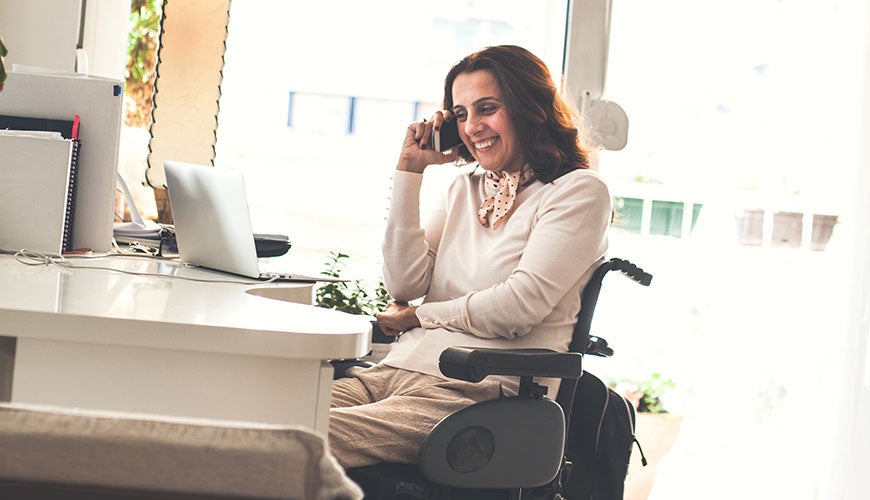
(383, 414)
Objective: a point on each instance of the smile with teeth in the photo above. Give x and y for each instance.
(485, 144)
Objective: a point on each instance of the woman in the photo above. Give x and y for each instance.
(500, 264)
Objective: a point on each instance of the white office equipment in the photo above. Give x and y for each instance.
(99, 102)
(156, 336)
(37, 172)
(213, 223)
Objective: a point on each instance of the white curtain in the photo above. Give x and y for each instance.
(851, 452)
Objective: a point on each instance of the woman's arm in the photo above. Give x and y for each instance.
(409, 247)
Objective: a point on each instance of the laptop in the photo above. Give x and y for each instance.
(213, 223)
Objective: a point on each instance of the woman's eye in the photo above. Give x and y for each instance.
(488, 110)
(460, 117)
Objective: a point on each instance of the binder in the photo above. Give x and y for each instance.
(38, 173)
(66, 128)
(99, 102)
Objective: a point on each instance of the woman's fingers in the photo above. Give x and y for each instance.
(425, 136)
(424, 128)
(440, 117)
(418, 150)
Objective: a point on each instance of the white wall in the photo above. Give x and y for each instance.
(45, 33)
(41, 32)
(105, 37)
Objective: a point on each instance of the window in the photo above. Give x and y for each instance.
(713, 91)
(667, 218)
(630, 214)
(316, 120)
(320, 113)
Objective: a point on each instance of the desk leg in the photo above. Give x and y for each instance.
(7, 367)
(324, 393)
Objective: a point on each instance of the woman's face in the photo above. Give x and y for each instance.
(484, 124)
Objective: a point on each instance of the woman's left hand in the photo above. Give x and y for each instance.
(398, 317)
(417, 149)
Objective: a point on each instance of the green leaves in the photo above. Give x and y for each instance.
(647, 393)
(142, 48)
(142, 40)
(350, 297)
(653, 389)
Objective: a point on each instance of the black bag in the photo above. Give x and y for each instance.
(600, 439)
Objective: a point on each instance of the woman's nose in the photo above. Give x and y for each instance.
(473, 125)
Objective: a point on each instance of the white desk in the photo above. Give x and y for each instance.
(102, 339)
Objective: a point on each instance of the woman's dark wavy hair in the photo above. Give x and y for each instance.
(552, 141)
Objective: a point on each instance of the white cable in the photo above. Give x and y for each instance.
(35, 258)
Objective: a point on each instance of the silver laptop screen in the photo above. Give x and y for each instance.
(211, 216)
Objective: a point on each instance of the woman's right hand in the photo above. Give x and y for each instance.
(417, 150)
(397, 317)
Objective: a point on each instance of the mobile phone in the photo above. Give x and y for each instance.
(448, 137)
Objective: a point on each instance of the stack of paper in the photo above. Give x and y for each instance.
(38, 195)
(126, 231)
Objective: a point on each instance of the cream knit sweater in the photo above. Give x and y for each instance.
(513, 287)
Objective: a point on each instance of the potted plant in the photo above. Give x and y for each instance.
(645, 394)
(656, 429)
(352, 297)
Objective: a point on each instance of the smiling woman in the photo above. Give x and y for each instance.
(497, 243)
(485, 125)
(487, 91)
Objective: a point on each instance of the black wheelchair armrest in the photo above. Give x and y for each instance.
(473, 364)
(506, 442)
(341, 366)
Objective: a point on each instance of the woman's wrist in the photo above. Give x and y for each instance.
(410, 166)
(411, 317)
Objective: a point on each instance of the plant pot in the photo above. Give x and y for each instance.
(656, 433)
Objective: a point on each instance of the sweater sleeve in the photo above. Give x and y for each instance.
(568, 235)
(409, 247)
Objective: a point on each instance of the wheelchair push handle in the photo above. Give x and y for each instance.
(583, 341)
(632, 271)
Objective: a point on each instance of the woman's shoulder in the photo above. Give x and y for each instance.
(580, 175)
(580, 182)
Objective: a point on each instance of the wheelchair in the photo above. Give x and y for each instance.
(517, 447)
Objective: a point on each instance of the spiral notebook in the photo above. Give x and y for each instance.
(37, 202)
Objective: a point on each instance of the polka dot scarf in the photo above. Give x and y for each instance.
(501, 191)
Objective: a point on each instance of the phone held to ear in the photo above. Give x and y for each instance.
(447, 138)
